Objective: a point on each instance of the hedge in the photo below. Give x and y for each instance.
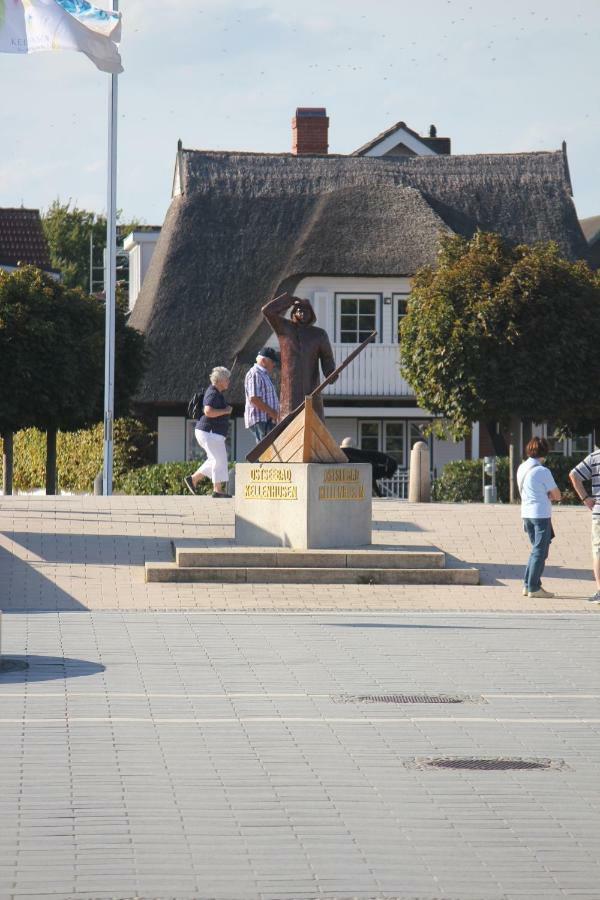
(78, 455)
(461, 480)
(163, 478)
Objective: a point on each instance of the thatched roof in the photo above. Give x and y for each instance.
(245, 226)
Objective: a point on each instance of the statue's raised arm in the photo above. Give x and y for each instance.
(304, 349)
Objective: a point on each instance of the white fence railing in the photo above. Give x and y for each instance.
(374, 373)
(397, 486)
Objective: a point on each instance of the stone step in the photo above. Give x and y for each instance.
(276, 558)
(171, 572)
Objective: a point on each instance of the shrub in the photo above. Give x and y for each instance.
(461, 480)
(78, 455)
(162, 478)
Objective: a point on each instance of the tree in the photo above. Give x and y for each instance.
(68, 230)
(504, 333)
(52, 358)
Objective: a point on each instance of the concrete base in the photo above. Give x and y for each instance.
(171, 572)
(377, 564)
(303, 505)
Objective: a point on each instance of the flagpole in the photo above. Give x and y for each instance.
(110, 283)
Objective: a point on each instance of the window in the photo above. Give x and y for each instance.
(416, 433)
(358, 316)
(396, 437)
(400, 307)
(369, 435)
(393, 441)
(581, 445)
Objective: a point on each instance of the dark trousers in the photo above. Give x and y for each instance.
(261, 429)
(539, 532)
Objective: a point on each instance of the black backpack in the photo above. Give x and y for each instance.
(195, 407)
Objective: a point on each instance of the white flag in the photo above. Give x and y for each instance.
(30, 25)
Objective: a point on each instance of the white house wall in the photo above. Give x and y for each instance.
(244, 440)
(445, 452)
(140, 246)
(171, 439)
(341, 428)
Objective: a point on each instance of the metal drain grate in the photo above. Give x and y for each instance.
(12, 665)
(405, 698)
(488, 764)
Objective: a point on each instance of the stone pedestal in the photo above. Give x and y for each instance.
(303, 505)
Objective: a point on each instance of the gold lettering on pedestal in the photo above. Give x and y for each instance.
(271, 483)
(271, 474)
(271, 492)
(333, 475)
(341, 492)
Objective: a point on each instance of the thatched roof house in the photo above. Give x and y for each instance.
(243, 226)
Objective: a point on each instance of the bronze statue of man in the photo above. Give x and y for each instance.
(302, 346)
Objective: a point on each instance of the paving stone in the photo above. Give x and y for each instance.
(295, 795)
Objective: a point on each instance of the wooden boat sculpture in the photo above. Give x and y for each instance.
(302, 436)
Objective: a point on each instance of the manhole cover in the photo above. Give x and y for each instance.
(487, 764)
(405, 698)
(12, 665)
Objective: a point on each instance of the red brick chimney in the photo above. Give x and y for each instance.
(310, 128)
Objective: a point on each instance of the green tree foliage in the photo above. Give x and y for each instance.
(52, 354)
(52, 357)
(496, 332)
(461, 481)
(79, 455)
(68, 229)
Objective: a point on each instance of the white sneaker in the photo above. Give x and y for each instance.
(525, 591)
(595, 598)
(541, 593)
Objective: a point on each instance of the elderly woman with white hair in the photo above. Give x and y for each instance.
(211, 431)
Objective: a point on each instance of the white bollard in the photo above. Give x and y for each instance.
(419, 486)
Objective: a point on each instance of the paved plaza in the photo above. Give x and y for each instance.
(251, 742)
(199, 755)
(74, 553)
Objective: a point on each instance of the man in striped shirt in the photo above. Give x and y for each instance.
(262, 404)
(589, 470)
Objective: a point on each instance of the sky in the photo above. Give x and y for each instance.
(496, 77)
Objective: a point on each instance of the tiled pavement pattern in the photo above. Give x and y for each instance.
(200, 755)
(88, 552)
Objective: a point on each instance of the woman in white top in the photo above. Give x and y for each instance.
(538, 489)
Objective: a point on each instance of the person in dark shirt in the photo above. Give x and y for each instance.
(383, 466)
(211, 431)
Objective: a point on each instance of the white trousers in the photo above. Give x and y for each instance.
(215, 467)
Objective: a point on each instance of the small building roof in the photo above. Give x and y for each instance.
(432, 143)
(246, 226)
(591, 228)
(22, 239)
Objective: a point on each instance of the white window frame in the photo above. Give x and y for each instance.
(590, 445)
(397, 298)
(405, 430)
(377, 422)
(357, 295)
(407, 445)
